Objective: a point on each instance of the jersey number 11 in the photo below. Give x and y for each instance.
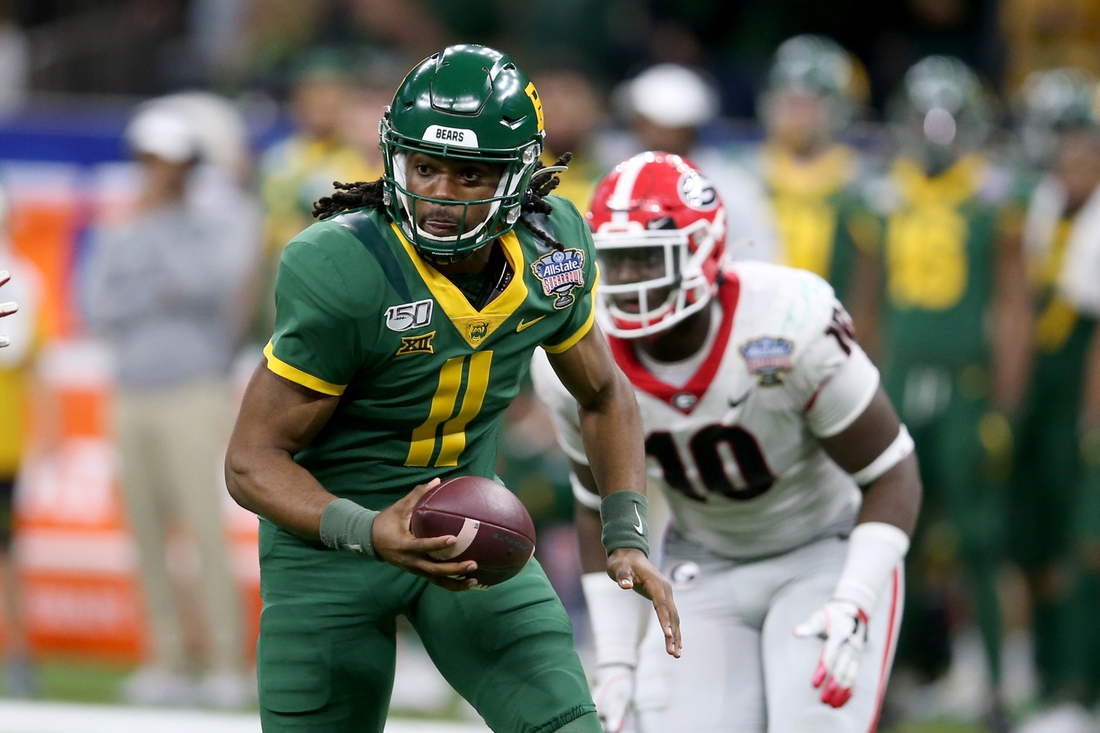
(452, 439)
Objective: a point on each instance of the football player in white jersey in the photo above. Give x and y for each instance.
(792, 485)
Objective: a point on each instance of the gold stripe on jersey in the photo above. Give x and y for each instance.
(454, 432)
(443, 404)
(296, 375)
(475, 326)
(585, 327)
(1058, 319)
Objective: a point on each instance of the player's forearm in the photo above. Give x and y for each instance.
(589, 538)
(895, 497)
(880, 540)
(611, 428)
(269, 483)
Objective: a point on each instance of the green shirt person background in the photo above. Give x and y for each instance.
(815, 89)
(953, 333)
(1052, 510)
(297, 171)
(404, 323)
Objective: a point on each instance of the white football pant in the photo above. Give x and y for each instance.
(742, 670)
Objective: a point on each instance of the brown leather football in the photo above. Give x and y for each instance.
(491, 524)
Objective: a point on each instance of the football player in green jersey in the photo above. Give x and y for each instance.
(405, 321)
(1060, 132)
(954, 329)
(815, 88)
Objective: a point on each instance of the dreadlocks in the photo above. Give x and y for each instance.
(368, 194)
(361, 194)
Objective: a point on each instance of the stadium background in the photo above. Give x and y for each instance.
(71, 76)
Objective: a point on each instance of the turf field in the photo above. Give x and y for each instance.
(83, 698)
(63, 717)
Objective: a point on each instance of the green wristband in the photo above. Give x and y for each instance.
(625, 521)
(347, 526)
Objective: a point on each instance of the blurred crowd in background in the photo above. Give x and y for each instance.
(158, 128)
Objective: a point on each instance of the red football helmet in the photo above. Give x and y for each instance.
(660, 233)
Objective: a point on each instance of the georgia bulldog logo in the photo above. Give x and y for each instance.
(697, 192)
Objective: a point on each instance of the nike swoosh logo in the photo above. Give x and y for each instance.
(742, 398)
(527, 324)
(639, 528)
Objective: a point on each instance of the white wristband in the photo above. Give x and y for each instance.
(618, 619)
(892, 456)
(874, 550)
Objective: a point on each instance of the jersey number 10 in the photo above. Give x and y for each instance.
(758, 478)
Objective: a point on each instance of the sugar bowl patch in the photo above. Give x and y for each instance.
(559, 273)
(768, 358)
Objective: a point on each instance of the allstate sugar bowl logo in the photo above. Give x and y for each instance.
(769, 358)
(559, 273)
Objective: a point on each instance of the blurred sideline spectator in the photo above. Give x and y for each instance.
(410, 26)
(575, 114)
(814, 182)
(301, 169)
(668, 105)
(25, 288)
(368, 95)
(277, 33)
(165, 291)
(1053, 506)
(14, 63)
(954, 330)
(1044, 34)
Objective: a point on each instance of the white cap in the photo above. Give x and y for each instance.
(164, 133)
(221, 136)
(671, 95)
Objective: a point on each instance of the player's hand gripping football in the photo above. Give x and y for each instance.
(6, 309)
(631, 568)
(395, 543)
(843, 626)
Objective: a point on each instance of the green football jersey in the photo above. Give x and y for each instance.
(821, 219)
(939, 256)
(423, 376)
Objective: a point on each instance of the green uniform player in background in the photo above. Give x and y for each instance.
(1061, 136)
(815, 89)
(405, 321)
(954, 354)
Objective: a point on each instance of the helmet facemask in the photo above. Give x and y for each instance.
(679, 255)
(504, 205)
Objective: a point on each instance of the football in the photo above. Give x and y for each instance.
(491, 524)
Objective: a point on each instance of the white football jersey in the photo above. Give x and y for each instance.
(735, 448)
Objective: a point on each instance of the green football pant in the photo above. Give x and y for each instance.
(1082, 628)
(1045, 498)
(963, 491)
(326, 653)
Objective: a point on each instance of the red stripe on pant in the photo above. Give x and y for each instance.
(891, 642)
